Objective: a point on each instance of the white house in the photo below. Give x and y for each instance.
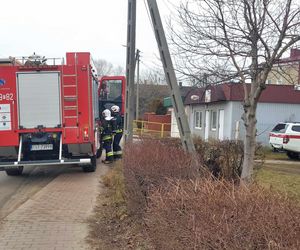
(216, 111)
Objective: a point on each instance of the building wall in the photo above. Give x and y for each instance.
(268, 115)
(174, 126)
(154, 122)
(211, 107)
(284, 74)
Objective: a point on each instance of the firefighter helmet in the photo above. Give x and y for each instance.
(115, 109)
(106, 113)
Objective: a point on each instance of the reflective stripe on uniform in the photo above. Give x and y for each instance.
(118, 131)
(106, 137)
(118, 153)
(109, 154)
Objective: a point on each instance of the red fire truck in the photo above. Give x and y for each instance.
(49, 113)
(112, 92)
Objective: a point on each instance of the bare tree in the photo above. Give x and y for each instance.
(148, 94)
(105, 68)
(236, 39)
(118, 71)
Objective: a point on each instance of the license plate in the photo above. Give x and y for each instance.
(41, 147)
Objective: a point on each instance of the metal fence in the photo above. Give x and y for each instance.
(153, 129)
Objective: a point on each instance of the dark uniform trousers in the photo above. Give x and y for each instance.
(116, 144)
(107, 141)
(107, 129)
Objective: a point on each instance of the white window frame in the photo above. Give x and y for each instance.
(198, 123)
(213, 126)
(279, 81)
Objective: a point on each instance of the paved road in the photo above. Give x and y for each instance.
(15, 190)
(286, 162)
(48, 208)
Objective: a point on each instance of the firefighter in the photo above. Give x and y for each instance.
(107, 127)
(118, 132)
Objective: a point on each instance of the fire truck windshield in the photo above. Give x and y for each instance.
(111, 90)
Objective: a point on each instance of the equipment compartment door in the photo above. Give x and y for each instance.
(39, 99)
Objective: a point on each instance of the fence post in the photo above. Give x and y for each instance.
(142, 128)
(162, 130)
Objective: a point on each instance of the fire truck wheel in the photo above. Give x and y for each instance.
(14, 171)
(92, 167)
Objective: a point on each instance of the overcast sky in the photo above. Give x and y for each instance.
(52, 28)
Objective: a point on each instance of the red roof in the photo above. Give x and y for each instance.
(235, 92)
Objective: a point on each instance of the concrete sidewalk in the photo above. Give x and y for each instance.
(56, 216)
(284, 162)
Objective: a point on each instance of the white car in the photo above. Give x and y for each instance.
(286, 136)
(276, 136)
(291, 141)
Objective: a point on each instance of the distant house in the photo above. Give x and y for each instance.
(184, 90)
(286, 70)
(215, 111)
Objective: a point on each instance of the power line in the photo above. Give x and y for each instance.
(168, 7)
(148, 14)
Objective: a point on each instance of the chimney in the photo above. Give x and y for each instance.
(295, 53)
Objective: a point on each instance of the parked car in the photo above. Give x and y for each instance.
(286, 136)
(276, 136)
(291, 141)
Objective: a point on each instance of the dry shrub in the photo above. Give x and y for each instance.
(223, 158)
(171, 142)
(148, 163)
(210, 214)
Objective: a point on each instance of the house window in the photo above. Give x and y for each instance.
(198, 119)
(279, 81)
(269, 81)
(213, 120)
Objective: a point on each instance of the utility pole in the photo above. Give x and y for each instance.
(130, 71)
(183, 126)
(137, 83)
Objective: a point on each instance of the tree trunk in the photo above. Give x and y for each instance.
(250, 143)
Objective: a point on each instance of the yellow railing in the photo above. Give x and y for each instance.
(145, 128)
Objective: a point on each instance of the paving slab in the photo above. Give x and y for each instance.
(55, 217)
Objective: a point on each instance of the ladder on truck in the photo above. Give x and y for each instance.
(70, 101)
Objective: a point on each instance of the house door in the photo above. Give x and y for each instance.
(221, 124)
(206, 130)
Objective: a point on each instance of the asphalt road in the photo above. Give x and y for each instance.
(15, 190)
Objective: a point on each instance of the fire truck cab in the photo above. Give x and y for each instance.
(49, 113)
(112, 92)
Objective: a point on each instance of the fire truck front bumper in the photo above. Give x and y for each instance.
(7, 165)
